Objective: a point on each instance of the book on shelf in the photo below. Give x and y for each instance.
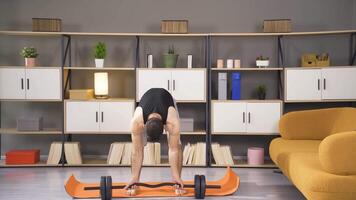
(157, 153)
(115, 153)
(222, 154)
(194, 154)
(55, 153)
(126, 158)
(72, 153)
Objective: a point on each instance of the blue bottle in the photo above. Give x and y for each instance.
(236, 86)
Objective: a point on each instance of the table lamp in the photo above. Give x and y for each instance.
(101, 83)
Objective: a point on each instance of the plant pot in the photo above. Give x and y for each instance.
(99, 63)
(262, 63)
(170, 60)
(30, 62)
(262, 96)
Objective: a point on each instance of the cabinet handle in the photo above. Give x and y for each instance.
(243, 117)
(318, 84)
(22, 84)
(168, 84)
(96, 116)
(174, 84)
(102, 116)
(249, 117)
(324, 84)
(28, 84)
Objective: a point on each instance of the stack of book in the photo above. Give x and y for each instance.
(72, 153)
(222, 154)
(194, 154)
(120, 153)
(55, 152)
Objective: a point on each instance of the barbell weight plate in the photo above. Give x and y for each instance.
(103, 188)
(202, 186)
(108, 188)
(197, 192)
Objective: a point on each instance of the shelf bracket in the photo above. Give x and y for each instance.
(352, 49)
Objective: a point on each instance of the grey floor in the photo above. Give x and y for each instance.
(47, 183)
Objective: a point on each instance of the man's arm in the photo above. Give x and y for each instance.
(137, 128)
(175, 149)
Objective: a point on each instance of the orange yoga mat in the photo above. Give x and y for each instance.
(229, 185)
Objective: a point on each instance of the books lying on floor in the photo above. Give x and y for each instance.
(120, 153)
(194, 154)
(55, 153)
(72, 153)
(222, 154)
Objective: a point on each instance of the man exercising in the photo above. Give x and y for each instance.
(156, 112)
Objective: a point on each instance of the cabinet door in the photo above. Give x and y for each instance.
(43, 84)
(229, 117)
(12, 83)
(188, 85)
(147, 79)
(263, 117)
(303, 84)
(116, 116)
(339, 83)
(82, 117)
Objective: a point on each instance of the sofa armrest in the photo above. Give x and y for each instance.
(317, 124)
(337, 153)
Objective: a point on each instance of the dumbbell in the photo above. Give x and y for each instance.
(106, 187)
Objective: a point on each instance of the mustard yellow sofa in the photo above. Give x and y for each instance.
(317, 152)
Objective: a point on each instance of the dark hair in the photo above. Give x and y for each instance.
(154, 129)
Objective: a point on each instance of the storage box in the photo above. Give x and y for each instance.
(222, 86)
(22, 157)
(174, 26)
(81, 94)
(311, 60)
(30, 124)
(187, 124)
(277, 25)
(46, 24)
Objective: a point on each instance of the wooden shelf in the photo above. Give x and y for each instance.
(103, 100)
(245, 134)
(244, 164)
(30, 33)
(171, 68)
(44, 132)
(247, 69)
(97, 133)
(192, 133)
(42, 163)
(250, 101)
(336, 32)
(320, 101)
(23, 67)
(32, 100)
(101, 69)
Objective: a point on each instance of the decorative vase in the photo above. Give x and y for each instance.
(170, 60)
(262, 96)
(30, 62)
(262, 63)
(99, 63)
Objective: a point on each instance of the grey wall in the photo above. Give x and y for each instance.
(145, 16)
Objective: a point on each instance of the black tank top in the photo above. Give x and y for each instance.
(156, 100)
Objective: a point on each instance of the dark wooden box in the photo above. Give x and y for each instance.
(46, 25)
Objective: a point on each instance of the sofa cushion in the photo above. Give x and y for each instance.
(280, 150)
(306, 173)
(337, 153)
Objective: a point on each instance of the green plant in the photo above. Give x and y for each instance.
(100, 50)
(171, 50)
(261, 91)
(29, 52)
(262, 58)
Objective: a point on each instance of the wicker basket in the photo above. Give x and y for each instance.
(46, 25)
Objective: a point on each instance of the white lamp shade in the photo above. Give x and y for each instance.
(101, 84)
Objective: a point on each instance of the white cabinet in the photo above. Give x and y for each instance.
(33, 84)
(339, 83)
(320, 84)
(93, 117)
(229, 117)
(183, 84)
(12, 83)
(303, 84)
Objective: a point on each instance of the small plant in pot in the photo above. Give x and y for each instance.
(170, 59)
(30, 54)
(261, 91)
(100, 54)
(262, 61)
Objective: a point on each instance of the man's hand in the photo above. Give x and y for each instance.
(130, 187)
(179, 187)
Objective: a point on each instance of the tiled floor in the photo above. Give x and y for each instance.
(47, 183)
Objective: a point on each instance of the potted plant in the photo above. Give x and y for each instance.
(30, 54)
(261, 91)
(100, 54)
(262, 61)
(170, 59)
